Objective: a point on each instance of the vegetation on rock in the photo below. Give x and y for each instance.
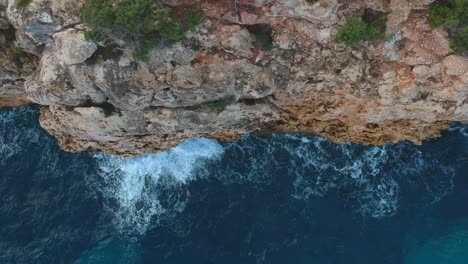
(357, 31)
(144, 22)
(452, 15)
(263, 36)
(7, 37)
(218, 105)
(23, 3)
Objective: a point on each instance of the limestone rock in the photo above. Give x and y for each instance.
(186, 77)
(16, 66)
(4, 23)
(456, 65)
(220, 83)
(130, 132)
(73, 46)
(40, 19)
(236, 40)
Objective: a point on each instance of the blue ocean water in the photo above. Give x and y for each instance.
(278, 199)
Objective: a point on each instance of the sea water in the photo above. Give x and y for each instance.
(277, 199)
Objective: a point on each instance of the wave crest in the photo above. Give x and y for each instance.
(136, 187)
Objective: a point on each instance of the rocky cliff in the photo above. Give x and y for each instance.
(220, 83)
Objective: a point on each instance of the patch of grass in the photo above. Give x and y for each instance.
(357, 31)
(145, 22)
(312, 1)
(452, 15)
(218, 105)
(193, 17)
(23, 3)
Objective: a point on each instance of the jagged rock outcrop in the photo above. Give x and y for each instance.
(15, 65)
(98, 97)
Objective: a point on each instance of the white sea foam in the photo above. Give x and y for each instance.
(138, 189)
(366, 177)
(135, 184)
(342, 167)
(8, 135)
(460, 129)
(318, 167)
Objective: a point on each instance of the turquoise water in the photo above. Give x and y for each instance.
(112, 251)
(449, 246)
(278, 199)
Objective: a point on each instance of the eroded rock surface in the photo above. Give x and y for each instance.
(220, 83)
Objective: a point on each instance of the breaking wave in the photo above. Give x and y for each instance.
(202, 185)
(368, 179)
(142, 187)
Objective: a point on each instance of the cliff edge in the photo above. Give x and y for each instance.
(223, 80)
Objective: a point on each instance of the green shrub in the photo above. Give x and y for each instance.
(452, 15)
(144, 21)
(356, 31)
(23, 3)
(146, 44)
(98, 13)
(312, 1)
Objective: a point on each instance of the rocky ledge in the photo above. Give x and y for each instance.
(221, 84)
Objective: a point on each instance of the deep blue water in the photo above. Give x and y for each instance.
(279, 199)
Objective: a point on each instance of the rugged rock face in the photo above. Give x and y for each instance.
(14, 67)
(98, 97)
